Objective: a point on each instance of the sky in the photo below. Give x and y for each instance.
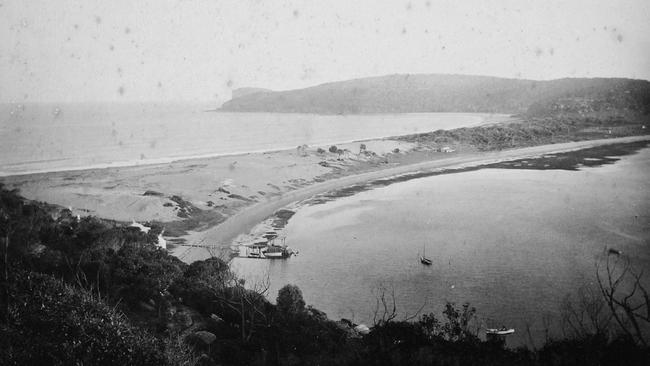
(199, 50)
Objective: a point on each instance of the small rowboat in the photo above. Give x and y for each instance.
(500, 332)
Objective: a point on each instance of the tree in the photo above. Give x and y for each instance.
(20, 225)
(333, 149)
(585, 314)
(211, 287)
(625, 295)
(53, 323)
(457, 327)
(290, 301)
(386, 306)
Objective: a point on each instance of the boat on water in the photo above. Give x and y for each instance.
(277, 252)
(423, 258)
(263, 251)
(503, 331)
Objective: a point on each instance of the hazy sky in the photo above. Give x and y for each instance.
(66, 50)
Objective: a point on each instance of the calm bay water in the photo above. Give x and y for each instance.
(513, 243)
(47, 137)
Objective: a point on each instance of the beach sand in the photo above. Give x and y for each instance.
(210, 201)
(211, 188)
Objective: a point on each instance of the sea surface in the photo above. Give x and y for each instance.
(50, 137)
(514, 243)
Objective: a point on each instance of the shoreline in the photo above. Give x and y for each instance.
(245, 220)
(208, 201)
(485, 119)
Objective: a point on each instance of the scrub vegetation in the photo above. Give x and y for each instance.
(91, 291)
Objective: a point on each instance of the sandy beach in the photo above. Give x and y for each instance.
(210, 201)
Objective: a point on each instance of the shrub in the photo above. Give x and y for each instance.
(139, 273)
(51, 323)
(290, 300)
(333, 149)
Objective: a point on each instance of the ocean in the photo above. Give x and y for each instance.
(51, 137)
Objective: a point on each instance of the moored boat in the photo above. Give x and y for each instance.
(423, 258)
(275, 252)
(503, 331)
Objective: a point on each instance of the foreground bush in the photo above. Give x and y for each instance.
(51, 323)
(63, 279)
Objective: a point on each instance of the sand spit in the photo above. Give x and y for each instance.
(212, 200)
(245, 220)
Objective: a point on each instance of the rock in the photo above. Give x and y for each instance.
(216, 318)
(205, 336)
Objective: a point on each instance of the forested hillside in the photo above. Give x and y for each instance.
(452, 93)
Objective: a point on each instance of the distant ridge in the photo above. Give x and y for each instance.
(406, 93)
(240, 92)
